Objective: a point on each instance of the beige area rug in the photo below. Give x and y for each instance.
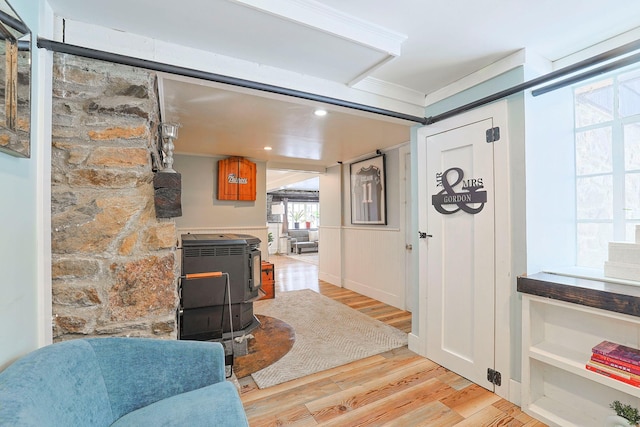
(328, 334)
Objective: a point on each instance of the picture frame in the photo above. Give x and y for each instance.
(368, 191)
(15, 83)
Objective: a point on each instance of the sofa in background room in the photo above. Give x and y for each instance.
(303, 240)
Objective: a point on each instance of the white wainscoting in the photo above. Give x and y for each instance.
(374, 264)
(259, 232)
(330, 255)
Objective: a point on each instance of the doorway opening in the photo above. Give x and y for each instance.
(293, 214)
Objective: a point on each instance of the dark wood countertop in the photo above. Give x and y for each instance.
(609, 296)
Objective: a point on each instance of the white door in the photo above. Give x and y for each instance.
(460, 255)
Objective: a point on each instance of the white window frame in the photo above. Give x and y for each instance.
(618, 172)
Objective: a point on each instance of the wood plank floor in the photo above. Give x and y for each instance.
(396, 388)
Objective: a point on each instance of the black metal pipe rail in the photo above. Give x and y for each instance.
(588, 74)
(574, 68)
(213, 77)
(219, 78)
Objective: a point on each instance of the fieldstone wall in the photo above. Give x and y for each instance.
(115, 269)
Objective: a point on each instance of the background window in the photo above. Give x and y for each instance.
(301, 213)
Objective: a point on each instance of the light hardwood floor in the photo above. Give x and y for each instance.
(397, 388)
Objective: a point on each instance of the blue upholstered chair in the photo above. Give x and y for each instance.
(120, 382)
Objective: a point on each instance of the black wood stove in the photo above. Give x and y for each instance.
(205, 300)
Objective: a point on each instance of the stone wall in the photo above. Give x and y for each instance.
(114, 264)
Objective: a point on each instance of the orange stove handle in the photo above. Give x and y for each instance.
(206, 275)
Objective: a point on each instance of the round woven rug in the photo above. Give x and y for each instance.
(272, 340)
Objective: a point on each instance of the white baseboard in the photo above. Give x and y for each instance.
(375, 293)
(416, 345)
(330, 278)
(515, 392)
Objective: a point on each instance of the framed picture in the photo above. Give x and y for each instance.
(368, 187)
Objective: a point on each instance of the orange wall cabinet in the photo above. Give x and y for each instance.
(236, 179)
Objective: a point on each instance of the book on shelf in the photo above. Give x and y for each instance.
(615, 363)
(611, 375)
(614, 370)
(618, 351)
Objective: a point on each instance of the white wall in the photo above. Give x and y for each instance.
(374, 263)
(18, 255)
(373, 257)
(330, 238)
(25, 286)
(551, 212)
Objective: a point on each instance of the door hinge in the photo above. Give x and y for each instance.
(493, 134)
(494, 377)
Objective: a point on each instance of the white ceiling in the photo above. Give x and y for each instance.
(418, 46)
(219, 120)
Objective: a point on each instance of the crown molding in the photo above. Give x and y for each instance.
(390, 90)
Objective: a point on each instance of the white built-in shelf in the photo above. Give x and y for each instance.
(556, 413)
(574, 362)
(559, 331)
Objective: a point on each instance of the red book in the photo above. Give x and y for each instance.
(613, 370)
(613, 376)
(619, 352)
(615, 363)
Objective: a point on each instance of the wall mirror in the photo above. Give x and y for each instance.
(15, 83)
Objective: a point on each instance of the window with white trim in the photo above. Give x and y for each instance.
(607, 156)
(301, 213)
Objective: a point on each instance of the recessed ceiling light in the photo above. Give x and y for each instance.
(319, 112)
(268, 148)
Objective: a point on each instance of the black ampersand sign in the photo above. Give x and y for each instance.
(462, 200)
